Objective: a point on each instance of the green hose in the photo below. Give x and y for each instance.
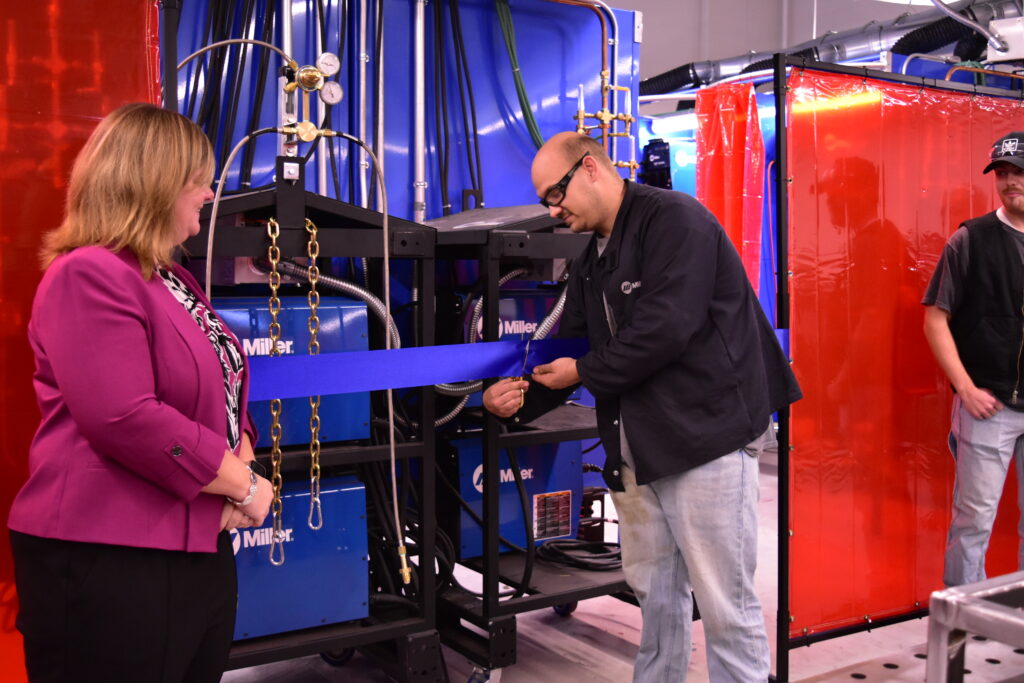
(509, 32)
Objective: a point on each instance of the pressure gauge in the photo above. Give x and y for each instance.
(328, 63)
(309, 78)
(331, 93)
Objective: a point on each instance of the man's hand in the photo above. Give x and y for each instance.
(558, 374)
(505, 397)
(980, 403)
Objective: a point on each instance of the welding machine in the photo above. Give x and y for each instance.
(552, 475)
(325, 576)
(343, 417)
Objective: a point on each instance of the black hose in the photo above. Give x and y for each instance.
(231, 117)
(592, 555)
(810, 53)
(462, 67)
(201, 67)
(931, 37)
(531, 541)
(676, 79)
(441, 108)
(249, 154)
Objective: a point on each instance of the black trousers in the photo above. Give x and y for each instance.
(105, 613)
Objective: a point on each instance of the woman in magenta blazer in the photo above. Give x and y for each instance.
(141, 463)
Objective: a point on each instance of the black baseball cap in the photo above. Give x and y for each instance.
(1009, 148)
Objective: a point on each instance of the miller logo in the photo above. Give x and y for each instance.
(505, 476)
(628, 287)
(255, 538)
(261, 346)
(519, 327)
(1009, 146)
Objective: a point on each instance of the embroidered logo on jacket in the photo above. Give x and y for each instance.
(628, 287)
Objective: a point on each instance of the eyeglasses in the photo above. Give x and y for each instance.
(556, 193)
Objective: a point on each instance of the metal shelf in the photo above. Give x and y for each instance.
(531, 240)
(550, 585)
(345, 230)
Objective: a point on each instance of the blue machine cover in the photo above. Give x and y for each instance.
(325, 575)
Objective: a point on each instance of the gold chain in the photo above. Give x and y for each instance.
(274, 255)
(316, 515)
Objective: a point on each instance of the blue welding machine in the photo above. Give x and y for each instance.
(343, 417)
(325, 575)
(552, 475)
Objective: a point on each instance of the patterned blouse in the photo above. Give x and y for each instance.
(227, 352)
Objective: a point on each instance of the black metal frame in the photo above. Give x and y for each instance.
(782, 63)
(170, 15)
(549, 586)
(404, 643)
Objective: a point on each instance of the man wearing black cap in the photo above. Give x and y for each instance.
(974, 322)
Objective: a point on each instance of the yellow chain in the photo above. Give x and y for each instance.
(316, 515)
(274, 255)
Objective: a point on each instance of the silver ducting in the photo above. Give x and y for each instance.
(866, 41)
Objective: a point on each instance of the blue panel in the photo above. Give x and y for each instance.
(343, 417)
(325, 576)
(559, 49)
(545, 469)
(769, 247)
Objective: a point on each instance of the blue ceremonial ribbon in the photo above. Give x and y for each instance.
(356, 371)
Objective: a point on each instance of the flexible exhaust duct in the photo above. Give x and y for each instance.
(866, 41)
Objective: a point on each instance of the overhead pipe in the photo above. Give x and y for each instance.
(868, 40)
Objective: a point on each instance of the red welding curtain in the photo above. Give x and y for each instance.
(730, 164)
(881, 175)
(66, 65)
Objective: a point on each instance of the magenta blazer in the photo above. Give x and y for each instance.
(132, 400)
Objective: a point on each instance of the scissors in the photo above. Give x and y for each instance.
(522, 373)
(526, 358)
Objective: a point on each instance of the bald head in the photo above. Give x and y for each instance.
(565, 149)
(576, 171)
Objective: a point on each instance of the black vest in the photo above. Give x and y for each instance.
(988, 326)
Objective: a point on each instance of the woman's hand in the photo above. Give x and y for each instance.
(231, 517)
(258, 509)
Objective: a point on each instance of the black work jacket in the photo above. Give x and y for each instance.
(694, 369)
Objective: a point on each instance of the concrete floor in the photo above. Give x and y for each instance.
(598, 641)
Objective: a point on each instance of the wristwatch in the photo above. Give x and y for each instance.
(252, 490)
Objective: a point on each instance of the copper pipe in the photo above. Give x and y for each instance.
(987, 72)
(605, 139)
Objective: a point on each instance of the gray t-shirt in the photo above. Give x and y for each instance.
(946, 289)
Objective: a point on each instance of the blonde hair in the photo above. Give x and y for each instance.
(125, 182)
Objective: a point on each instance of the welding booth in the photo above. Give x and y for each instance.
(411, 264)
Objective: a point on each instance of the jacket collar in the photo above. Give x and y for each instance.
(609, 260)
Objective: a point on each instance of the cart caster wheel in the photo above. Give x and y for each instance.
(481, 675)
(566, 608)
(338, 657)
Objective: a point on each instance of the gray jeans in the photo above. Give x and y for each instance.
(982, 450)
(696, 531)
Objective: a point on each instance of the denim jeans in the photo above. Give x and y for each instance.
(695, 531)
(982, 450)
